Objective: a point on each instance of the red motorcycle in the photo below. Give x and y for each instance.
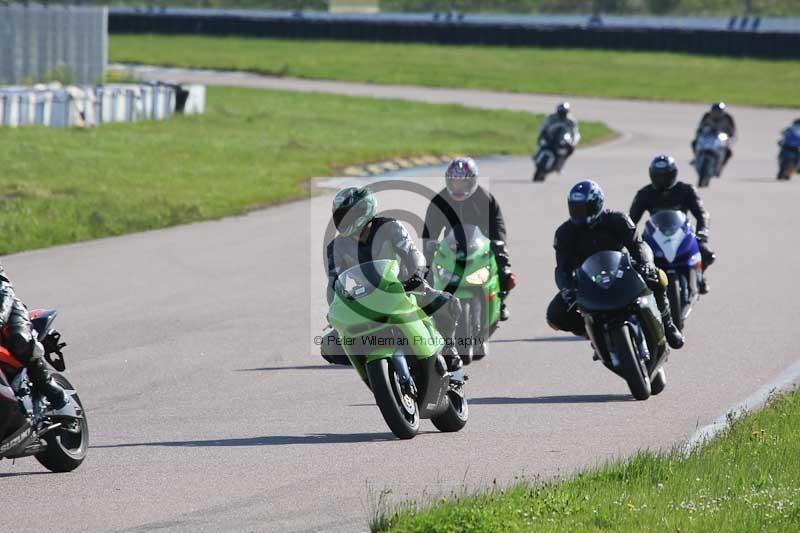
(27, 426)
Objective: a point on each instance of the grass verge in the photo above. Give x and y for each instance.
(600, 73)
(748, 479)
(251, 148)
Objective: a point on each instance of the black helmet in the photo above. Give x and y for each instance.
(585, 202)
(353, 208)
(562, 110)
(663, 172)
(796, 123)
(461, 178)
(718, 109)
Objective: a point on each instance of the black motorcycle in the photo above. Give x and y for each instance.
(554, 148)
(623, 321)
(59, 441)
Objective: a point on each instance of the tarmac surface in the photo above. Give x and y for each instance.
(210, 409)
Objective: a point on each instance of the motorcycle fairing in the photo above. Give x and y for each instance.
(599, 274)
(671, 237)
(41, 320)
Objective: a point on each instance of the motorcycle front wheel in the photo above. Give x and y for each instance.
(66, 446)
(632, 368)
(674, 292)
(399, 410)
(457, 414)
(704, 172)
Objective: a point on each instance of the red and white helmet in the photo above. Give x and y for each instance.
(461, 178)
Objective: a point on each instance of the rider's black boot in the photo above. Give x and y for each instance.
(674, 336)
(452, 358)
(44, 383)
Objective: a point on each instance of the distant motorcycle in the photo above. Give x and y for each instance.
(789, 155)
(623, 321)
(710, 149)
(477, 286)
(676, 251)
(26, 427)
(552, 153)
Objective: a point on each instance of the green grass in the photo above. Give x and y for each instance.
(645, 75)
(251, 148)
(746, 480)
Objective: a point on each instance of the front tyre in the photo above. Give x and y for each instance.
(464, 331)
(704, 172)
(539, 175)
(632, 368)
(66, 446)
(399, 410)
(457, 414)
(658, 382)
(674, 293)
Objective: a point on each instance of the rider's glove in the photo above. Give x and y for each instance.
(702, 236)
(414, 282)
(509, 282)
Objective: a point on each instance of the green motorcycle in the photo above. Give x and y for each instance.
(395, 348)
(470, 272)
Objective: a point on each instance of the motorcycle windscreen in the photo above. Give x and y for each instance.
(606, 281)
(364, 279)
(473, 240)
(667, 230)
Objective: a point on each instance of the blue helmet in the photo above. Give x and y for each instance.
(585, 201)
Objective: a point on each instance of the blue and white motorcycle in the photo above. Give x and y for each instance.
(672, 239)
(789, 155)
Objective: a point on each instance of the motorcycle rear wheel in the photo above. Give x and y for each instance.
(399, 410)
(66, 449)
(456, 416)
(539, 175)
(635, 375)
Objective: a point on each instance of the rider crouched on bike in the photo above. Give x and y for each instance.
(589, 230)
(719, 120)
(474, 205)
(561, 117)
(364, 237)
(16, 334)
(666, 192)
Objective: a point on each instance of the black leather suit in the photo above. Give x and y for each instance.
(679, 197)
(480, 209)
(16, 334)
(575, 243)
(386, 238)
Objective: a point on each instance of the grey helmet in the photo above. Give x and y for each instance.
(353, 209)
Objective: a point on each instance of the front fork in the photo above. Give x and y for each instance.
(403, 373)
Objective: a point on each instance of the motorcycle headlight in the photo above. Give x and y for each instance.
(479, 277)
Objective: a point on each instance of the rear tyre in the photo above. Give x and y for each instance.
(456, 416)
(66, 447)
(632, 368)
(658, 382)
(539, 175)
(399, 410)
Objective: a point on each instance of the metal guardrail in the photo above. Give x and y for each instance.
(708, 36)
(40, 41)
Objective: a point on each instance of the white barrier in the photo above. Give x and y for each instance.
(60, 107)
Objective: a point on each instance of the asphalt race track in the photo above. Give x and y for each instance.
(211, 410)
